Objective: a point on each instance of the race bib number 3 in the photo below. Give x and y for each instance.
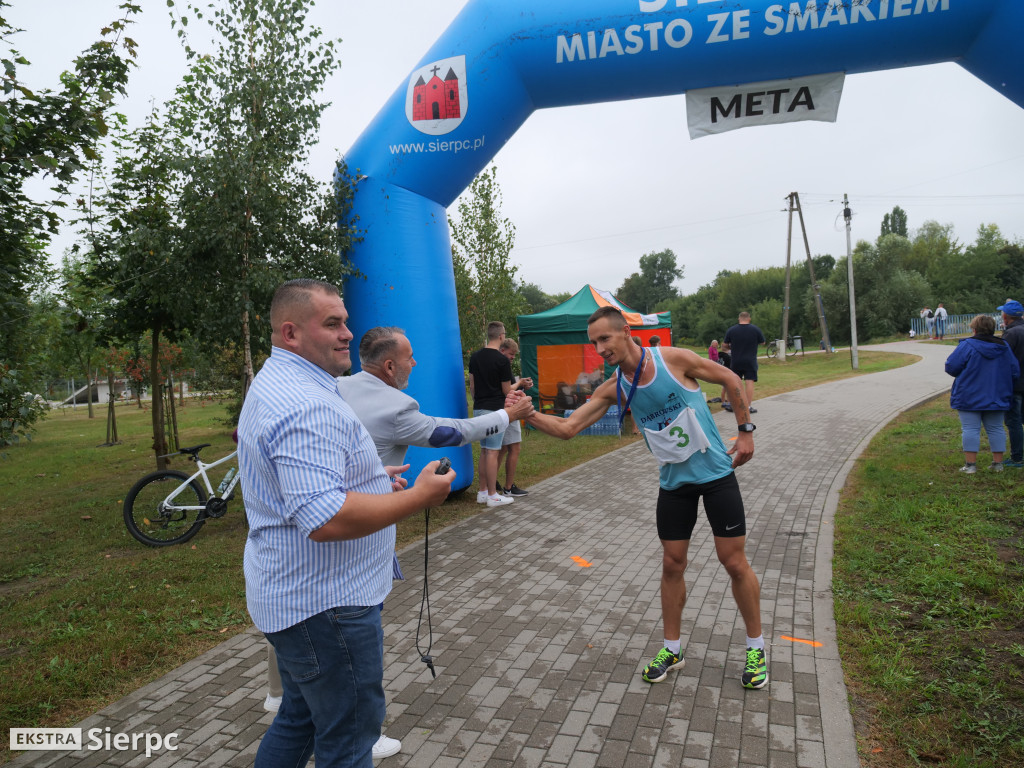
(679, 440)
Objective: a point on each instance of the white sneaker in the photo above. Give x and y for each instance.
(499, 501)
(481, 497)
(385, 747)
(272, 703)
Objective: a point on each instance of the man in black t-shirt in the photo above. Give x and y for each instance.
(742, 341)
(490, 379)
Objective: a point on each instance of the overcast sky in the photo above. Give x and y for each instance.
(590, 189)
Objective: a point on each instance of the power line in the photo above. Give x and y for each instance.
(829, 199)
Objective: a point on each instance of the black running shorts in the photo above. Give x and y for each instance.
(746, 372)
(677, 509)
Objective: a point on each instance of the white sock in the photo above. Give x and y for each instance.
(674, 645)
(756, 642)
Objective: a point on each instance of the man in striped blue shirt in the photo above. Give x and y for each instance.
(322, 512)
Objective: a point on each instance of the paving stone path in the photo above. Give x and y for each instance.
(545, 611)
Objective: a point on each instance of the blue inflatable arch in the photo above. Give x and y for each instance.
(499, 61)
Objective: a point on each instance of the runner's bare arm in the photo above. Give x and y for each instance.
(588, 413)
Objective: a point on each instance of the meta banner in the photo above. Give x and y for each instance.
(717, 110)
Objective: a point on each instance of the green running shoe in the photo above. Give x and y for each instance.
(658, 669)
(755, 673)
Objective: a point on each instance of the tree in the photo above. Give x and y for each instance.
(971, 280)
(931, 243)
(888, 295)
(1011, 276)
(707, 313)
(81, 312)
(21, 409)
(652, 285)
(251, 213)
(485, 277)
(894, 223)
(536, 298)
(134, 238)
(50, 134)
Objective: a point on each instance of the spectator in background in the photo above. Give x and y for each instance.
(724, 358)
(1013, 323)
(940, 321)
(984, 369)
(490, 380)
(742, 341)
(929, 321)
(512, 440)
(716, 357)
(655, 341)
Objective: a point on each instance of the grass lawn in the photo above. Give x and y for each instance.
(929, 594)
(87, 614)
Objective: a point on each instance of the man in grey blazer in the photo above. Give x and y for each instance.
(394, 421)
(392, 417)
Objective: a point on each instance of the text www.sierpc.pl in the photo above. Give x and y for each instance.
(449, 145)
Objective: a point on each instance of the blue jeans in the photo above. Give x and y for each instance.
(332, 672)
(1014, 427)
(970, 423)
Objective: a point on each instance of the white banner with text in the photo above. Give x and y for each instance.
(717, 110)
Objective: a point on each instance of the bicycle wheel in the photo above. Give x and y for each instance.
(155, 524)
(773, 350)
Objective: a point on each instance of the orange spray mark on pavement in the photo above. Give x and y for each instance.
(812, 643)
(580, 561)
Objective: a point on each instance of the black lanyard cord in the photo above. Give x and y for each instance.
(425, 601)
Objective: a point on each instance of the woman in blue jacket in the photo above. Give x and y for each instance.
(984, 368)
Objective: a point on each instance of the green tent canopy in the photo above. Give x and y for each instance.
(557, 354)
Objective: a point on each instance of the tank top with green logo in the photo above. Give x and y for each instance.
(659, 405)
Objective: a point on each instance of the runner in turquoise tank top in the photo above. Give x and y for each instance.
(695, 443)
(662, 391)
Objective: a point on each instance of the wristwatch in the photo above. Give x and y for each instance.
(748, 427)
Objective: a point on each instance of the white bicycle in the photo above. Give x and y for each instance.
(169, 507)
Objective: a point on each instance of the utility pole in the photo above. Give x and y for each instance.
(849, 272)
(785, 300)
(795, 201)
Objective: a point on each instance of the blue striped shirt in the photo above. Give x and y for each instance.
(301, 449)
